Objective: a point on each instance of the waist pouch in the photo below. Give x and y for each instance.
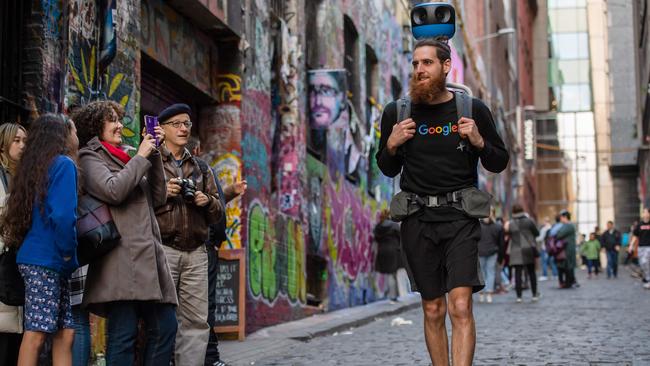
(476, 203)
(403, 205)
(472, 201)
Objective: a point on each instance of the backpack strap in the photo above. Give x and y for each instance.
(463, 104)
(403, 109)
(203, 167)
(403, 112)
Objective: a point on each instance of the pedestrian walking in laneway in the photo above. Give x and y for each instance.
(523, 249)
(389, 252)
(566, 266)
(611, 242)
(439, 173)
(591, 250)
(546, 261)
(490, 249)
(641, 242)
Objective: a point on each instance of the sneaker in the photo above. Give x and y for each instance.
(481, 298)
(537, 296)
(519, 300)
(542, 278)
(489, 298)
(219, 363)
(646, 286)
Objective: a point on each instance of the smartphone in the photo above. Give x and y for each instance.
(150, 122)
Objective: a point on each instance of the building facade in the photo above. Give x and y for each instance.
(287, 95)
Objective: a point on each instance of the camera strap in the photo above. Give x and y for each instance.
(203, 168)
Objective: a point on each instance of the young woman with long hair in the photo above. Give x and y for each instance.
(133, 280)
(12, 145)
(40, 219)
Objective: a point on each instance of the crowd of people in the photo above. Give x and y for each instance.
(167, 221)
(517, 253)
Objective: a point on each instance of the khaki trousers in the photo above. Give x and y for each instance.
(190, 273)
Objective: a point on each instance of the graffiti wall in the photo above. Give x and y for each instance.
(178, 44)
(102, 66)
(314, 189)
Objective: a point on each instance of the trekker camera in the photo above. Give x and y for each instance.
(430, 20)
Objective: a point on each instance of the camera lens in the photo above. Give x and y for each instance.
(419, 16)
(442, 14)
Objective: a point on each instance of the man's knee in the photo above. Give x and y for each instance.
(460, 308)
(434, 310)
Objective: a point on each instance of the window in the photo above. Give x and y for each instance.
(554, 4)
(351, 61)
(568, 20)
(570, 46)
(575, 97)
(574, 71)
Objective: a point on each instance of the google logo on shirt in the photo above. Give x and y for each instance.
(444, 130)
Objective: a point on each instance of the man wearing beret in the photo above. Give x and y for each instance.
(193, 204)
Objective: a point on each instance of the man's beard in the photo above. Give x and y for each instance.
(428, 91)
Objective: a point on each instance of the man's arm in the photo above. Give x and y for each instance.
(494, 155)
(389, 162)
(214, 209)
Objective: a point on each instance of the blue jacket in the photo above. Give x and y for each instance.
(53, 235)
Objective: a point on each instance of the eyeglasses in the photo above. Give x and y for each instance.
(324, 90)
(177, 124)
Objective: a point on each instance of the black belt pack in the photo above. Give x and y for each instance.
(472, 201)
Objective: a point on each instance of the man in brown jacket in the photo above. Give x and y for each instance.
(192, 205)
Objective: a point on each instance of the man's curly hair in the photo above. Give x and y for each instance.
(91, 117)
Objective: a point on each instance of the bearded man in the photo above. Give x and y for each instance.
(437, 155)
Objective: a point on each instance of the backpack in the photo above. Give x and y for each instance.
(555, 247)
(463, 108)
(217, 231)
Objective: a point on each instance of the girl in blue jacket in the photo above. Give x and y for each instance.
(40, 219)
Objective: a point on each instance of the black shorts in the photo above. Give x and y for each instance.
(442, 255)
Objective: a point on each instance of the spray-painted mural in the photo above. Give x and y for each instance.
(288, 236)
(102, 67)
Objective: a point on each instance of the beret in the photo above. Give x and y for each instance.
(173, 110)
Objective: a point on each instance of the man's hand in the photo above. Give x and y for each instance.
(402, 132)
(173, 188)
(467, 129)
(239, 187)
(201, 199)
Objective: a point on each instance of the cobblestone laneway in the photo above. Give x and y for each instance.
(605, 322)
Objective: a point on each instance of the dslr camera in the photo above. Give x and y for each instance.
(188, 189)
(431, 20)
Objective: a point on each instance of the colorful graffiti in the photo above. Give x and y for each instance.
(256, 141)
(312, 209)
(176, 43)
(228, 168)
(87, 81)
(52, 18)
(91, 86)
(228, 88)
(275, 262)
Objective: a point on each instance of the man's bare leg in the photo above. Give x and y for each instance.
(435, 332)
(463, 328)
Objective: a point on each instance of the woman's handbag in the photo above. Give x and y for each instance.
(96, 231)
(12, 287)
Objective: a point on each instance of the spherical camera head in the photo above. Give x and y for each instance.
(431, 20)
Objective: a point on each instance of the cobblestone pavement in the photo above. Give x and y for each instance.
(604, 322)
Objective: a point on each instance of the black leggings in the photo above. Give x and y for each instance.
(531, 276)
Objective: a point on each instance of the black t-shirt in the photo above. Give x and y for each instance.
(642, 231)
(437, 160)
